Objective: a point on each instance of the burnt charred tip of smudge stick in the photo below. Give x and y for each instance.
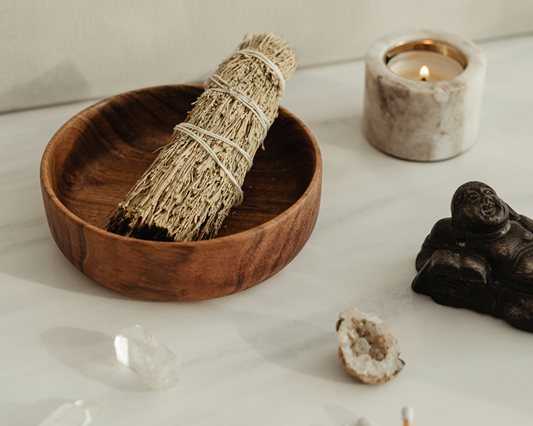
(151, 233)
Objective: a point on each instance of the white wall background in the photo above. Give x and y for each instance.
(63, 50)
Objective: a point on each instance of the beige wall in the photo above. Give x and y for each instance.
(62, 50)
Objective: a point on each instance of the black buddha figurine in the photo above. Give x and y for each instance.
(481, 258)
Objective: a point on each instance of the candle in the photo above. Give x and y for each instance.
(416, 66)
(423, 94)
(426, 60)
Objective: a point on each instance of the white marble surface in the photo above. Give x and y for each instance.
(268, 356)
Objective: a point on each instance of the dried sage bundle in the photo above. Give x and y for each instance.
(191, 186)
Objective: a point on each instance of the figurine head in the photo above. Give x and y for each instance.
(477, 209)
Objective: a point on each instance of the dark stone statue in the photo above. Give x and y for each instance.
(481, 258)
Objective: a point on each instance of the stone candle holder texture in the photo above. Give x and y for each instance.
(422, 120)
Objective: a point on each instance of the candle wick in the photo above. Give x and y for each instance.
(423, 78)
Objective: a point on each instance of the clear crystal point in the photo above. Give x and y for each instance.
(79, 413)
(362, 346)
(157, 365)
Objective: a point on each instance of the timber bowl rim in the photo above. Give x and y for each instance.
(48, 190)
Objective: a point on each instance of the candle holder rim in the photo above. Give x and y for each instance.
(428, 45)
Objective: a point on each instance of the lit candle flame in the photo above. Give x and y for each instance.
(424, 73)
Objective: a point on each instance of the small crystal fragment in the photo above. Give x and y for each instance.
(362, 346)
(157, 365)
(79, 413)
(367, 347)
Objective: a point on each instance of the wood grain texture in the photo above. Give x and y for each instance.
(96, 157)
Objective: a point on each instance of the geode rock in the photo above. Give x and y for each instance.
(481, 258)
(367, 347)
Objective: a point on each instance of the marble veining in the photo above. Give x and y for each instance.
(268, 356)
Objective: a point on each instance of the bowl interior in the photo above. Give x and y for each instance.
(114, 142)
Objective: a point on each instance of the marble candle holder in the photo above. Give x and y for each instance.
(423, 120)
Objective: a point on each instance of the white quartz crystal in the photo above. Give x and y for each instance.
(367, 347)
(157, 365)
(79, 413)
(362, 346)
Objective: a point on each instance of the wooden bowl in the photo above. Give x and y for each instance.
(96, 157)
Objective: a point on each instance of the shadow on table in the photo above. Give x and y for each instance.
(18, 413)
(91, 354)
(27, 249)
(471, 373)
(345, 133)
(293, 344)
(40, 261)
(338, 416)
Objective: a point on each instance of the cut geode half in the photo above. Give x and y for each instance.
(367, 347)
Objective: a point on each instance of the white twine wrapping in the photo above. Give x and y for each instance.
(268, 63)
(225, 87)
(188, 128)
